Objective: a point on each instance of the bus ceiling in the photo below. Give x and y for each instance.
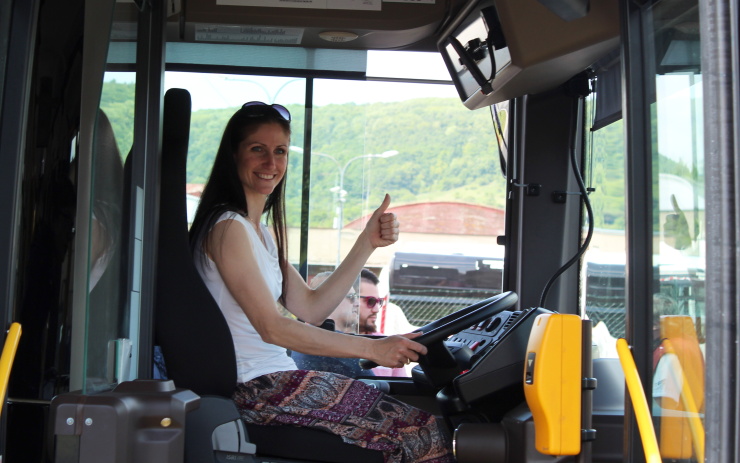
(411, 25)
(495, 50)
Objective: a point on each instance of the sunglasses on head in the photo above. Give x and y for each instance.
(282, 110)
(371, 301)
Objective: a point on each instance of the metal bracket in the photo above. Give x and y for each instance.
(560, 196)
(530, 189)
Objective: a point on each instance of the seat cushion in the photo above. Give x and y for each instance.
(308, 444)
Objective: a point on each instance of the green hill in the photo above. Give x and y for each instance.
(446, 153)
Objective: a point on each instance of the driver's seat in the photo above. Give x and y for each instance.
(193, 334)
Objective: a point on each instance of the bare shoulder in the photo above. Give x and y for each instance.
(228, 236)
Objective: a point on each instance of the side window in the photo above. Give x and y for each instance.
(678, 263)
(111, 337)
(68, 295)
(673, 79)
(603, 268)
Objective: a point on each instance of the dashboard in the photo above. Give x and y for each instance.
(488, 359)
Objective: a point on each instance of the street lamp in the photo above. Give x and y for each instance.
(339, 189)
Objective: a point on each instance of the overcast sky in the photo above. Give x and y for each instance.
(210, 91)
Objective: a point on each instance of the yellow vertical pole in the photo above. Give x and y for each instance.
(7, 357)
(639, 403)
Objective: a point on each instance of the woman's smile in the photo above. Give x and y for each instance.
(263, 158)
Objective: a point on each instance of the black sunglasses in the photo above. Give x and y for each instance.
(282, 110)
(371, 301)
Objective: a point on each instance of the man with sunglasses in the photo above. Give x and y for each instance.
(370, 302)
(370, 305)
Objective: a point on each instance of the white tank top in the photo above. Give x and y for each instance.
(254, 357)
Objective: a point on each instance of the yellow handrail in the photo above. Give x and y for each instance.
(639, 403)
(7, 357)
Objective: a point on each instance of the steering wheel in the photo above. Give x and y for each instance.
(441, 329)
(437, 331)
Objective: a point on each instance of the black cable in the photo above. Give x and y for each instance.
(489, 44)
(497, 129)
(467, 61)
(589, 210)
(592, 119)
(498, 125)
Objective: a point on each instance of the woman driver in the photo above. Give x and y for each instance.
(247, 272)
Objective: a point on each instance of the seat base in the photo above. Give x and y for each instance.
(307, 445)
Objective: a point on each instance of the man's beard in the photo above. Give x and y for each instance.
(369, 327)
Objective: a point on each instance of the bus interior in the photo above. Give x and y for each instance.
(562, 170)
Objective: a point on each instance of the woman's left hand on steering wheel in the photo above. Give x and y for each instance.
(397, 351)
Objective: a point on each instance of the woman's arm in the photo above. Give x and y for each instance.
(314, 305)
(233, 256)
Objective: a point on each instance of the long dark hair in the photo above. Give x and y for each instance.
(224, 191)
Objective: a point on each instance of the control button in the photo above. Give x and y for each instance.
(529, 368)
(495, 323)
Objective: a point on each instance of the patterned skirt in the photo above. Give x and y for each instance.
(360, 414)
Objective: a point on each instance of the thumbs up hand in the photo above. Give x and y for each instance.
(676, 227)
(382, 228)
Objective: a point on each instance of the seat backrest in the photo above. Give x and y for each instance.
(189, 326)
(680, 331)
